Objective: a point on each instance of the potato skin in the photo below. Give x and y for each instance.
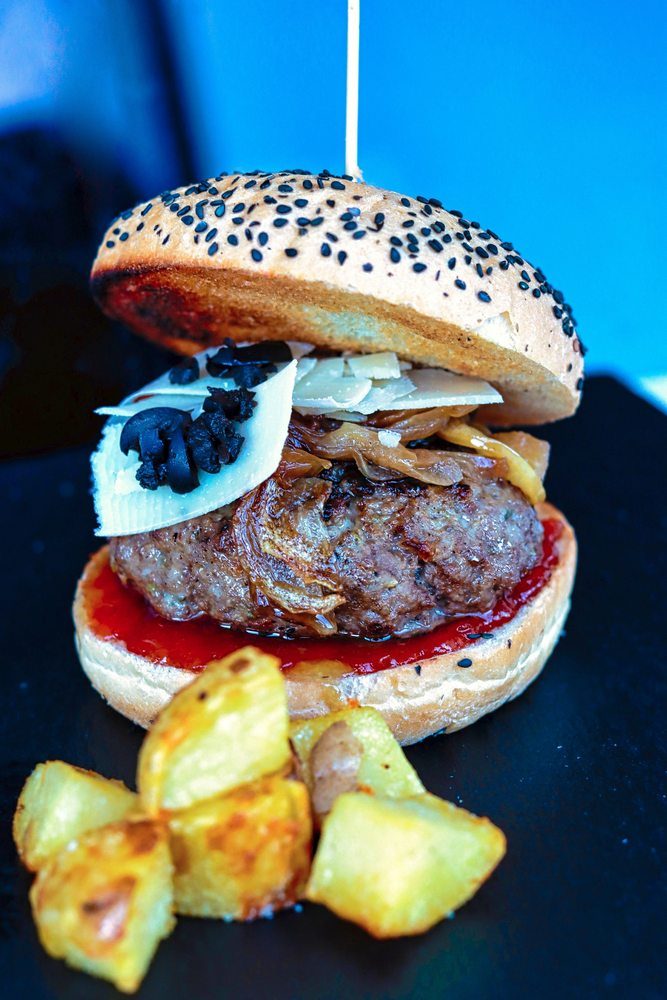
(383, 767)
(245, 854)
(105, 902)
(58, 803)
(398, 866)
(227, 728)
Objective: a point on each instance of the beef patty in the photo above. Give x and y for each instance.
(340, 553)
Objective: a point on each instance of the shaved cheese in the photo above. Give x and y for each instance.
(435, 387)
(145, 402)
(124, 508)
(322, 393)
(384, 365)
(304, 367)
(389, 438)
(330, 367)
(386, 395)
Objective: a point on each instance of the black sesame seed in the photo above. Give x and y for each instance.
(451, 263)
(283, 209)
(256, 255)
(580, 384)
(147, 208)
(536, 293)
(394, 255)
(483, 296)
(110, 243)
(211, 235)
(480, 270)
(435, 245)
(325, 250)
(291, 252)
(523, 285)
(233, 240)
(360, 233)
(460, 284)
(279, 223)
(337, 186)
(419, 268)
(405, 202)
(396, 241)
(285, 188)
(301, 202)
(263, 239)
(212, 249)
(367, 267)
(342, 256)
(465, 662)
(350, 226)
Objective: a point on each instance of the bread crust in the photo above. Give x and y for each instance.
(416, 703)
(455, 297)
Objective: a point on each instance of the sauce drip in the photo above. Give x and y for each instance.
(117, 612)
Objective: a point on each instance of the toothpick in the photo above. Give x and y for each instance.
(352, 92)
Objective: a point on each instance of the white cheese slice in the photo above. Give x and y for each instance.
(383, 365)
(324, 392)
(391, 439)
(435, 387)
(386, 394)
(145, 402)
(124, 508)
(304, 367)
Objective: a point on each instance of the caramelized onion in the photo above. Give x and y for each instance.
(349, 441)
(296, 462)
(290, 567)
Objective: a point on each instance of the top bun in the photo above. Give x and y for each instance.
(345, 266)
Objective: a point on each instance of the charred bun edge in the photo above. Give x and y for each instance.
(417, 699)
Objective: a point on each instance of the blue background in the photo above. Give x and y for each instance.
(546, 122)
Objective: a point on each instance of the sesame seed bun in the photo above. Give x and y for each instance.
(345, 266)
(417, 700)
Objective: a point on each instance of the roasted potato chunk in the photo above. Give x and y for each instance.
(245, 854)
(225, 729)
(60, 802)
(350, 750)
(398, 866)
(105, 902)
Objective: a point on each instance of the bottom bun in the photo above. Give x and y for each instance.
(417, 699)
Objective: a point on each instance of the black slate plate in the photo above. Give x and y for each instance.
(574, 771)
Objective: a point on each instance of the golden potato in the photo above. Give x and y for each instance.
(244, 854)
(225, 729)
(59, 802)
(398, 866)
(105, 902)
(351, 750)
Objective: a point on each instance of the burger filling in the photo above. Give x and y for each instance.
(339, 552)
(370, 502)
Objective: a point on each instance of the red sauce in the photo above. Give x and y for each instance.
(117, 612)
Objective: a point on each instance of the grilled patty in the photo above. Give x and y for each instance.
(341, 553)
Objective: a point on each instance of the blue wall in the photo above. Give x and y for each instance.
(544, 121)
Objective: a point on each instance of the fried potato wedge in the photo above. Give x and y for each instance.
(225, 729)
(59, 802)
(105, 902)
(244, 854)
(350, 750)
(398, 866)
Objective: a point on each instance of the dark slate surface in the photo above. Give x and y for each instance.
(574, 771)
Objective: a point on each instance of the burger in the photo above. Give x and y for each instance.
(337, 467)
